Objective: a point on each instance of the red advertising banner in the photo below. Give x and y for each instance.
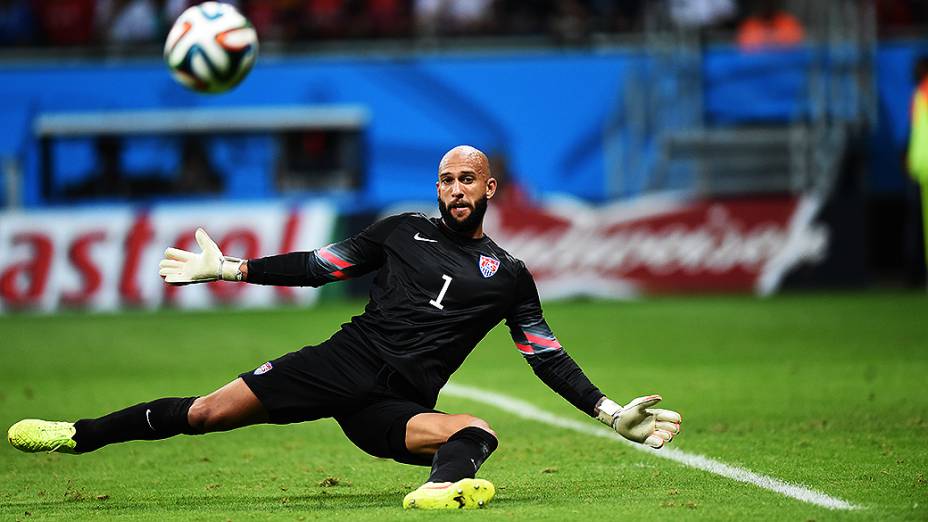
(661, 245)
(107, 258)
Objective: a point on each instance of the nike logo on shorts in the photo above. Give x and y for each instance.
(417, 237)
(148, 419)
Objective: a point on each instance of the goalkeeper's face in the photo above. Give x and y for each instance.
(464, 187)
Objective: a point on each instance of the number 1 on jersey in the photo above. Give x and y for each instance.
(441, 295)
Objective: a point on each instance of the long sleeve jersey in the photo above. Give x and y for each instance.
(435, 296)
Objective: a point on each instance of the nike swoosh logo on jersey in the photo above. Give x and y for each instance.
(417, 237)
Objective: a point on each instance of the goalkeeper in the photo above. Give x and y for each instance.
(441, 285)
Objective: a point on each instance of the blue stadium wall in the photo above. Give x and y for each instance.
(546, 110)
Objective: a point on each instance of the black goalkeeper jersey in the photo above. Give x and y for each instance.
(435, 296)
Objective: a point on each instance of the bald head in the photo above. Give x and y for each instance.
(465, 155)
(464, 186)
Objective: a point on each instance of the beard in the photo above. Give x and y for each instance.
(469, 224)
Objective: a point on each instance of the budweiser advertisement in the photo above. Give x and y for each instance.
(106, 258)
(660, 245)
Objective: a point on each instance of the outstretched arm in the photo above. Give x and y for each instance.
(351, 257)
(636, 421)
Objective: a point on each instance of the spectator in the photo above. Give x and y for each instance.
(571, 21)
(387, 18)
(263, 15)
(443, 17)
(901, 16)
(173, 8)
(892, 15)
(769, 26)
(128, 21)
(288, 21)
(323, 19)
(522, 17)
(66, 22)
(17, 23)
(701, 14)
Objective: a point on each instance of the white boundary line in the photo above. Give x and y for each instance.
(526, 410)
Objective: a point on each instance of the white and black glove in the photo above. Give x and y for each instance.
(638, 422)
(180, 267)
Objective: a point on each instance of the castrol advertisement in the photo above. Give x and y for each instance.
(107, 258)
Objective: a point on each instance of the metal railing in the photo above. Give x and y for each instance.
(667, 140)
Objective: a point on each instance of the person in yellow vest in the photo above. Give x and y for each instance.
(917, 153)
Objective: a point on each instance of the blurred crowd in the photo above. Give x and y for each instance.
(102, 22)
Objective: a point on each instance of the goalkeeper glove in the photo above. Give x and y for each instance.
(638, 422)
(180, 267)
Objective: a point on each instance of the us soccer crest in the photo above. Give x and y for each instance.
(488, 266)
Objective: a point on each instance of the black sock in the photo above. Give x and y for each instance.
(153, 420)
(462, 455)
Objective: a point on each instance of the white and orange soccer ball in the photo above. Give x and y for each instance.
(211, 47)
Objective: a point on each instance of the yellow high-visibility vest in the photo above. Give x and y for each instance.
(918, 135)
(917, 157)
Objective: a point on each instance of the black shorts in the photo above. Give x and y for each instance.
(370, 401)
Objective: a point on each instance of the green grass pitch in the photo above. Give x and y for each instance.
(824, 391)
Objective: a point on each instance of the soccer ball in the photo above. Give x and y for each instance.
(211, 47)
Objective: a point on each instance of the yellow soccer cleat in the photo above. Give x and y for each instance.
(464, 494)
(34, 435)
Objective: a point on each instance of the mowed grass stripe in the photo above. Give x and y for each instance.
(528, 411)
